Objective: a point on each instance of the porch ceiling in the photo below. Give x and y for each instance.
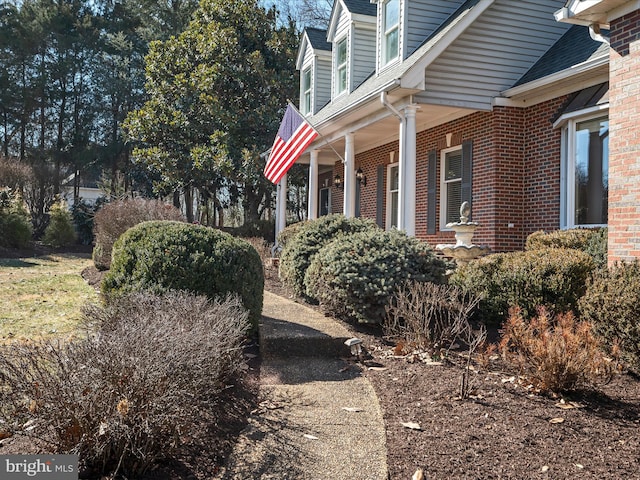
(384, 128)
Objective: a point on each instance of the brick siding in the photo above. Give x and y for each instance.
(624, 140)
(516, 174)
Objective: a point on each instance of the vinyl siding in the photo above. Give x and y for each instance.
(492, 54)
(322, 83)
(364, 59)
(422, 18)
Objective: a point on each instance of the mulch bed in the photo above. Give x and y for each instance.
(503, 431)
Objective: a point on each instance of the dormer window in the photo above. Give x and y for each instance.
(390, 28)
(306, 91)
(341, 66)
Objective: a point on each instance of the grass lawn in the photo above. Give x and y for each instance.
(42, 296)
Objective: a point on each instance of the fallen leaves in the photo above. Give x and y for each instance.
(352, 409)
(310, 437)
(556, 420)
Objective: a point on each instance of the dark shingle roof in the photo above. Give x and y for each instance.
(318, 38)
(363, 7)
(573, 48)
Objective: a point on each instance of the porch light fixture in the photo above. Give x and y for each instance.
(337, 181)
(362, 180)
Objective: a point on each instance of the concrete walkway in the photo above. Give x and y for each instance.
(319, 417)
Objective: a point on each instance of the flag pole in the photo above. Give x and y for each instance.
(326, 141)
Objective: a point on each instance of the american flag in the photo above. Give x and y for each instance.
(294, 136)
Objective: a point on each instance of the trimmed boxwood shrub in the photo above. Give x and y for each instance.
(355, 276)
(115, 218)
(611, 303)
(289, 233)
(299, 251)
(590, 240)
(159, 256)
(553, 277)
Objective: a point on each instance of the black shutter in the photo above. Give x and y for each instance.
(358, 191)
(467, 167)
(380, 196)
(432, 183)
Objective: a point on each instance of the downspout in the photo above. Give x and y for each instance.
(594, 32)
(401, 159)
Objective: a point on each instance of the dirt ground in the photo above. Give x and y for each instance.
(503, 431)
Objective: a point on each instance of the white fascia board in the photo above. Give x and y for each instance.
(414, 76)
(301, 51)
(557, 77)
(333, 20)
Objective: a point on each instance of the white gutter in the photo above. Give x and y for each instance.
(594, 32)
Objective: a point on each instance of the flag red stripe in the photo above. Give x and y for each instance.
(281, 151)
(291, 151)
(283, 155)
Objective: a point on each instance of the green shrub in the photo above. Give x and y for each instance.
(60, 231)
(298, 253)
(15, 224)
(553, 277)
(590, 240)
(355, 276)
(289, 232)
(612, 304)
(83, 214)
(150, 371)
(165, 255)
(115, 218)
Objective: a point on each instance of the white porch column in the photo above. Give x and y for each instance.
(281, 205)
(402, 166)
(349, 204)
(409, 173)
(312, 201)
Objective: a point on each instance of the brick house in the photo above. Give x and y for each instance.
(422, 105)
(622, 19)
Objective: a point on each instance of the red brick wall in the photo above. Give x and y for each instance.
(624, 140)
(516, 174)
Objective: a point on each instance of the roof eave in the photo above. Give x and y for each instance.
(581, 68)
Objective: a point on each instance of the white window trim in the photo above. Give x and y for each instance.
(388, 196)
(443, 189)
(568, 166)
(346, 64)
(308, 90)
(384, 33)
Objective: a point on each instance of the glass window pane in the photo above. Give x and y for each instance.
(454, 200)
(394, 209)
(394, 178)
(391, 48)
(342, 79)
(342, 52)
(391, 14)
(591, 172)
(453, 165)
(306, 80)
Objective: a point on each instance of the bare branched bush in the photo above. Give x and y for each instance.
(117, 217)
(429, 316)
(127, 394)
(555, 354)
